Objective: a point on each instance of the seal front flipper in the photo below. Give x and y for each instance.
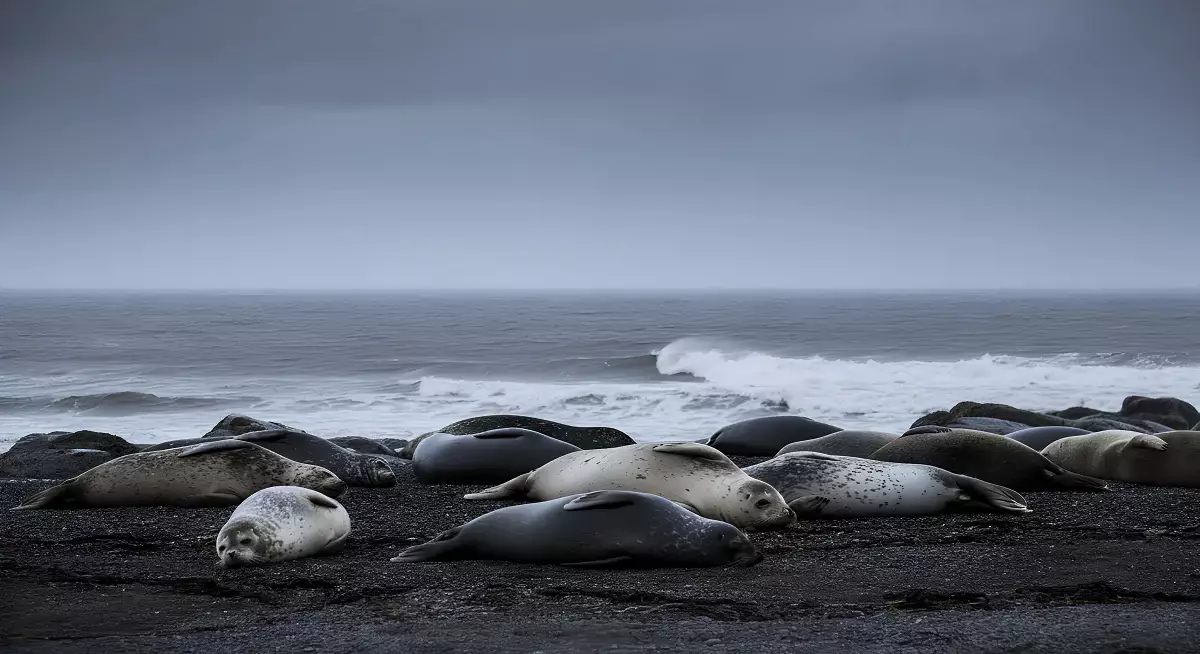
(687, 506)
(808, 506)
(215, 446)
(1066, 479)
(514, 488)
(267, 435)
(600, 563)
(697, 450)
(1148, 441)
(927, 429)
(219, 498)
(992, 495)
(599, 500)
(336, 545)
(441, 545)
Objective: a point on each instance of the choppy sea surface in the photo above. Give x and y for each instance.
(157, 366)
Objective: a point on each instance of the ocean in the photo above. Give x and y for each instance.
(159, 366)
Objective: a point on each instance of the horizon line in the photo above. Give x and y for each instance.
(690, 289)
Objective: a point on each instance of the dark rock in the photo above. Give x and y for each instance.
(1170, 411)
(61, 455)
(236, 424)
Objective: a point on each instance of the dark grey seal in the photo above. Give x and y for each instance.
(599, 528)
(351, 467)
(364, 445)
(849, 442)
(490, 457)
(1039, 437)
(766, 436)
(989, 457)
(585, 438)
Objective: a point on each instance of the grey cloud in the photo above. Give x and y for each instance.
(444, 143)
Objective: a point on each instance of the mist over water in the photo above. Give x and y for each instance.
(153, 367)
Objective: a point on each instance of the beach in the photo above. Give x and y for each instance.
(1084, 572)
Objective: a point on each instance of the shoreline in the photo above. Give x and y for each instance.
(1084, 572)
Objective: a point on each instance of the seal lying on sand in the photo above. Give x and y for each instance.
(816, 484)
(694, 475)
(1039, 437)
(585, 438)
(351, 467)
(489, 457)
(282, 523)
(850, 442)
(989, 457)
(766, 436)
(1171, 458)
(600, 528)
(216, 473)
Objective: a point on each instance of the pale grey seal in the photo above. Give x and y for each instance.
(824, 485)
(281, 523)
(215, 473)
(691, 474)
(1171, 458)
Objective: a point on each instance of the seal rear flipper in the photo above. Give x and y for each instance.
(808, 506)
(438, 548)
(514, 488)
(215, 446)
(612, 561)
(62, 496)
(203, 500)
(1073, 481)
(992, 495)
(1148, 441)
(599, 500)
(697, 450)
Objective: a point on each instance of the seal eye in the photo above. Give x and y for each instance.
(763, 503)
(245, 541)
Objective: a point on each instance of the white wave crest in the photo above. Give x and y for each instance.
(890, 395)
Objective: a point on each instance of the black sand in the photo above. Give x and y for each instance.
(1085, 572)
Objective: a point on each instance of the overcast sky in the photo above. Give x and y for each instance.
(606, 143)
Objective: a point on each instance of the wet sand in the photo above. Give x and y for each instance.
(1085, 572)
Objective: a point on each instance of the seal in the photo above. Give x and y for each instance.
(766, 436)
(351, 467)
(601, 528)
(489, 457)
(585, 438)
(989, 457)
(696, 476)
(215, 473)
(281, 523)
(1039, 437)
(1171, 458)
(849, 442)
(823, 485)
(363, 445)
